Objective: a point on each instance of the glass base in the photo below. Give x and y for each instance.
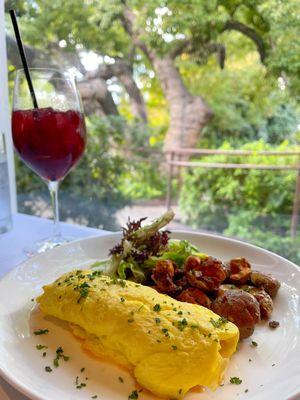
(47, 244)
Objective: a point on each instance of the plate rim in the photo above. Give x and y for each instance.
(32, 393)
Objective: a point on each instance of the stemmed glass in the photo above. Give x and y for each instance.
(51, 137)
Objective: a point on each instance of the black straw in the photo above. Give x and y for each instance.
(23, 56)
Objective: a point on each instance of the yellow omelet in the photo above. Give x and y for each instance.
(169, 346)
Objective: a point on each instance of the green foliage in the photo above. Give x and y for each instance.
(267, 231)
(107, 178)
(251, 101)
(252, 204)
(91, 193)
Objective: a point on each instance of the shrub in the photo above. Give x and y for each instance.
(252, 204)
(107, 178)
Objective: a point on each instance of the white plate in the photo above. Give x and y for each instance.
(273, 372)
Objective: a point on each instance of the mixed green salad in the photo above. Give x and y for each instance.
(141, 247)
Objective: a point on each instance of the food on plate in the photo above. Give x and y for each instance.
(196, 296)
(168, 345)
(177, 268)
(240, 307)
(239, 270)
(266, 281)
(264, 300)
(206, 273)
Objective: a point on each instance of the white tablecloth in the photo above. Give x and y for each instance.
(26, 231)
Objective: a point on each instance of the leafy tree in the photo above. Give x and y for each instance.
(163, 36)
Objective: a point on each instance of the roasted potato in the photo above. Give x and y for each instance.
(264, 300)
(205, 274)
(239, 307)
(240, 270)
(163, 275)
(226, 286)
(266, 281)
(196, 296)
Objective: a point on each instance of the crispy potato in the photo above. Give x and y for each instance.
(205, 274)
(240, 270)
(264, 300)
(239, 307)
(195, 296)
(163, 275)
(266, 281)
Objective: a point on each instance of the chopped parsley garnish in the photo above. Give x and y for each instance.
(254, 344)
(48, 369)
(56, 362)
(157, 307)
(235, 380)
(133, 395)
(81, 385)
(44, 354)
(121, 379)
(97, 273)
(182, 324)
(180, 313)
(174, 347)
(246, 390)
(122, 299)
(82, 369)
(83, 290)
(219, 322)
(59, 354)
(41, 347)
(157, 320)
(94, 397)
(180, 391)
(130, 320)
(41, 331)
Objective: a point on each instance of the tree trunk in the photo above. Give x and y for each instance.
(96, 97)
(123, 71)
(188, 113)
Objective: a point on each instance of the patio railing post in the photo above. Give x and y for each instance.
(296, 207)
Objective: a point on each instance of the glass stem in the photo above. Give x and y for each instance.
(53, 188)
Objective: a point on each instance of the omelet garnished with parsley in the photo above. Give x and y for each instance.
(169, 346)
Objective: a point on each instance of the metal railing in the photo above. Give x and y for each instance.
(175, 161)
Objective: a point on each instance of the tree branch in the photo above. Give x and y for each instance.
(179, 48)
(123, 71)
(127, 20)
(220, 51)
(251, 34)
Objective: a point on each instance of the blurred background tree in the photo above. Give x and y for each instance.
(164, 74)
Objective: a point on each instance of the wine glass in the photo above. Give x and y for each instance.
(50, 138)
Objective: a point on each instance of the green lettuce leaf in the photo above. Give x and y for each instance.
(137, 273)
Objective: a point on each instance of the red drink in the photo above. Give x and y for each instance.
(50, 142)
